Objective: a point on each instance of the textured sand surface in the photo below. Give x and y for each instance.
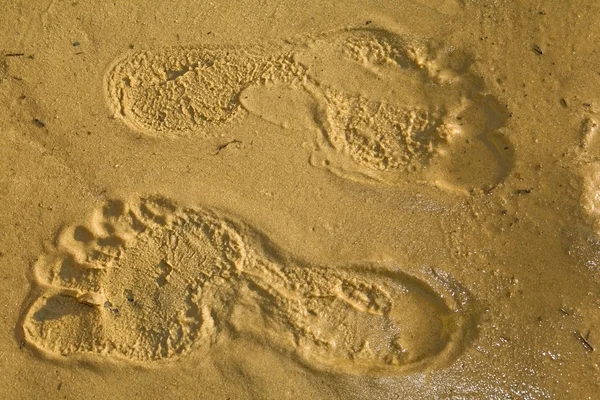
(277, 199)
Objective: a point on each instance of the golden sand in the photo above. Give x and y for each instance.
(268, 200)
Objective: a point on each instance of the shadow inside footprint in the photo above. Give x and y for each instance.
(405, 110)
(192, 277)
(58, 307)
(483, 157)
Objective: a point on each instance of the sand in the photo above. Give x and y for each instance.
(323, 200)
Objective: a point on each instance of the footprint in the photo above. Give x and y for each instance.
(389, 108)
(148, 281)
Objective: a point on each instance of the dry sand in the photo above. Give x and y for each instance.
(278, 199)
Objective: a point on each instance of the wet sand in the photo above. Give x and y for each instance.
(284, 200)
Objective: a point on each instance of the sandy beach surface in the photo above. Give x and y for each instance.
(274, 199)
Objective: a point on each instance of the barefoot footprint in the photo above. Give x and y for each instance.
(386, 105)
(148, 282)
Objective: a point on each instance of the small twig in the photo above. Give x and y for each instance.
(39, 123)
(225, 145)
(14, 55)
(563, 102)
(584, 341)
(562, 310)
